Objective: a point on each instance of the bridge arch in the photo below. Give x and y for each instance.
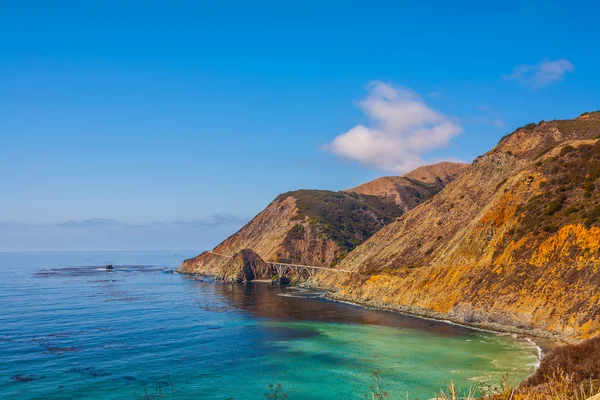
(306, 273)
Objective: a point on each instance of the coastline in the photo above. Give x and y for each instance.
(544, 341)
(542, 346)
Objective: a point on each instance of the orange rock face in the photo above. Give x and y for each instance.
(513, 241)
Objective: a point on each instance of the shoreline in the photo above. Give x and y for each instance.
(541, 348)
(543, 341)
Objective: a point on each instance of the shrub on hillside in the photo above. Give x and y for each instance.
(581, 360)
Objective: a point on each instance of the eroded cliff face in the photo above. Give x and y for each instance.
(308, 227)
(514, 240)
(278, 233)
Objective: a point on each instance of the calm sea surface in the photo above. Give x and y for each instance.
(71, 330)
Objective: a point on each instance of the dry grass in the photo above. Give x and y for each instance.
(581, 360)
(558, 386)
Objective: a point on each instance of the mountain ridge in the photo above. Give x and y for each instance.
(314, 227)
(512, 242)
(502, 243)
(412, 188)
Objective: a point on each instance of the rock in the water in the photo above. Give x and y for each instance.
(283, 280)
(246, 265)
(21, 378)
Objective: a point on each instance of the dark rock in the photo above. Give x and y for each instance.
(21, 378)
(283, 280)
(246, 265)
(61, 350)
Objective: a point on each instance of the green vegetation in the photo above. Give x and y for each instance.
(433, 188)
(569, 196)
(347, 218)
(579, 128)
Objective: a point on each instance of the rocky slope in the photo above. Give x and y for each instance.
(319, 227)
(581, 361)
(513, 241)
(410, 189)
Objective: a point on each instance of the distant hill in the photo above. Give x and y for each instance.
(319, 227)
(414, 187)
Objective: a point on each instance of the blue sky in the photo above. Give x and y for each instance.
(165, 125)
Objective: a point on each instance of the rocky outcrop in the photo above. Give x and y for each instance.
(245, 266)
(263, 234)
(512, 241)
(278, 233)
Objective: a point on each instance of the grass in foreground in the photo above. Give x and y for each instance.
(558, 386)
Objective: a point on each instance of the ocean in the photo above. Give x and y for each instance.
(69, 329)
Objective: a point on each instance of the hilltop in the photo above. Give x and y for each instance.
(412, 188)
(319, 227)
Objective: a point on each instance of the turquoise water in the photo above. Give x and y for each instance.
(70, 330)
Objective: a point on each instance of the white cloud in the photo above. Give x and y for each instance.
(402, 128)
(541, 74)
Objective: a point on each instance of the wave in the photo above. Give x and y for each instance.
(303, 293)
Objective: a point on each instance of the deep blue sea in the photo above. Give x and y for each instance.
(71, 330)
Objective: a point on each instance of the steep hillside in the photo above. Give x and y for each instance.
(514, 240)
(581, 361)
(319, 227)
(311, 227)
(408, 190)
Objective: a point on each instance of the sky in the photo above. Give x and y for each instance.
(168, 125)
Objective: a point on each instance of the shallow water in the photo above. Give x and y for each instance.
(70, 329)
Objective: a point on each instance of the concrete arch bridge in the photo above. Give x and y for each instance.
(305, 271)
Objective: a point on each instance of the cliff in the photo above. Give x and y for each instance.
(319, 227)
(309, 227)
(513, 241)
